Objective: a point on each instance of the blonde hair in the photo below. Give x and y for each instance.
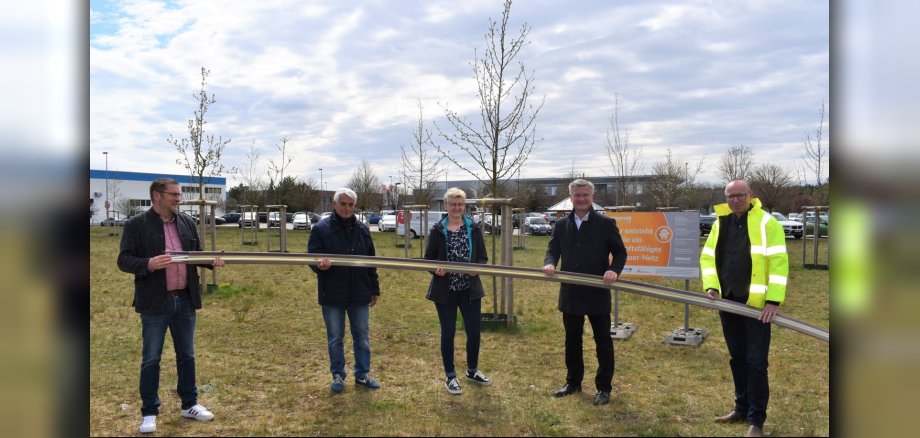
(452, 193)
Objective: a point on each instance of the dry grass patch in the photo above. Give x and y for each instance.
(263, 367)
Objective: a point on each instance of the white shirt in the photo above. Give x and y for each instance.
(579, 220)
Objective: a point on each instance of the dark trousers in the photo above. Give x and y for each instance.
(471, 311)
(574, 362)
(180, 319)
(748, 342)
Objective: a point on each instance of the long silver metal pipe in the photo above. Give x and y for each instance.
(661, 292)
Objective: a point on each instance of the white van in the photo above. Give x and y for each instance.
(415, 225)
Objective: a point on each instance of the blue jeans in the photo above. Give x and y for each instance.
(359, 321)
(471, 311)
(180, 319)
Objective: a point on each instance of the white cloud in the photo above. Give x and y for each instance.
(342, 79)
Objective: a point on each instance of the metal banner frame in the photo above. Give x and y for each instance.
(660, 292)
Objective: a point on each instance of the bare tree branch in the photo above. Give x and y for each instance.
(366, 185)
(625, 157)
(736, 163)
(205, 149)
(250, 175)
(277, 169)
(419, 167)
(502, 140)
(815, 152)
(771, 184)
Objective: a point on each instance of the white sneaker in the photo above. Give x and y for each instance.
(149, 425)
(198, 412)
(453, 386)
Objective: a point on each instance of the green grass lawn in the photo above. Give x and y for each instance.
(262, 365)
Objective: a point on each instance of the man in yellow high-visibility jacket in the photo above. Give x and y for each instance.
(745, 260)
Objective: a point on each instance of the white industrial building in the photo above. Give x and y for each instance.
(130, 191)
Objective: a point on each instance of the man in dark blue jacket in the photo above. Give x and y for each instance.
(345, 290)
(166, 295)
(586, 239)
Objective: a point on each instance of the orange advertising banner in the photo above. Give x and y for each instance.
(660, 244)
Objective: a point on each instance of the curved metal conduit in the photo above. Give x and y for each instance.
(661, 292)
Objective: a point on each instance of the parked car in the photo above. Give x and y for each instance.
(249, 219)
(263, 217)
(823, 224)
(325, 215)
(550, 217)
(302, 221)
(387, 222)
(706, 224)
(314, 218)
(232, 217)
(219, 220)
(795, 217)
(487, 223)
(516, 220)
(373, 218)
(274, 219)
(112, 222)
(537, 226)
(791, 228)
(416, 227)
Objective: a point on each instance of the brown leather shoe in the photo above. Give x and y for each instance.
(754, 431)
(731, 417)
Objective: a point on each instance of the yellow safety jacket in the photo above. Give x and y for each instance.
(769, 260)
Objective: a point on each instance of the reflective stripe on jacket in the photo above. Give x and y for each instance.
(769, 260)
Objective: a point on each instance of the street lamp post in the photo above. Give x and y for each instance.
(390, 193)
(106, 153)
(322, 199)
(396, 185)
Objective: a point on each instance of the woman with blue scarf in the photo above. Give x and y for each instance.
(456, 238)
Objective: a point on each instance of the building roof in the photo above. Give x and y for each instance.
(148, 177)
(566, 205)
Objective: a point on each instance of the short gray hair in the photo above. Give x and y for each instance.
(580, 182)
(344, 191)
(453, 192)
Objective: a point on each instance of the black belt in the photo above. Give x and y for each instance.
(176, 292)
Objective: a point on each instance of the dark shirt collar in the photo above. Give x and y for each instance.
(347, 222)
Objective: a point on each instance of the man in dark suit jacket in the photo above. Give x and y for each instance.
(166, 295)
(586, 239)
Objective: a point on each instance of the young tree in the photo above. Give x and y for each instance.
(250, 175)
(736, 163)
(501, 141)
(625, 157)
(200, 152)
(276, 170)
(365, 184)
(121, 205)
(816, 154)
(419, 166)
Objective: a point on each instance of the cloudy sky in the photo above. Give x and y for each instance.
(342, 79)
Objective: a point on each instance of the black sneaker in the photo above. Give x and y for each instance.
(479, 378)
(453, 385)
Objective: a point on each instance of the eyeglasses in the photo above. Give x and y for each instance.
(737, 196)
(176, 194)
